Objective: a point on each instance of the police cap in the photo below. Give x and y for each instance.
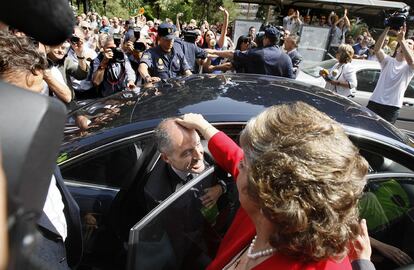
(272, 32)
(166, 30)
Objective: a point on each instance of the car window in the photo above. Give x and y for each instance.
(367, 79)
(388, 207)
(410, 90)
(184, 234)
(111, 167)
(313, 69)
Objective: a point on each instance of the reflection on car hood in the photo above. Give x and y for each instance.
(220, 98)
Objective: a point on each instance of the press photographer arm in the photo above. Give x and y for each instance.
(98, 74)
(379, 53)
(406, 50)
(61, 90)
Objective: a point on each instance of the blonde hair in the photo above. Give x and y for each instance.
(346, 52)
(306, 176)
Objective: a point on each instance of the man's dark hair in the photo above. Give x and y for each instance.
(19, 54)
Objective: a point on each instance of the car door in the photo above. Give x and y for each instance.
(388, 207)
(95, 180)
(180, 233)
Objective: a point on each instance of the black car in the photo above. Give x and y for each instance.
(108, 155)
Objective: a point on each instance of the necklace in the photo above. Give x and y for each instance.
(260, 253)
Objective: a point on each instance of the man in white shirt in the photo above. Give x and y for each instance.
(396, 74)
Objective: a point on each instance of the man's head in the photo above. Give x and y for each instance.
(58, 52)
(180, 147)
(271, 36)
(307, 19)
(166, 36)
(291, 42)
(252, 31)
(78, 37)
(21, 63)
(86, 29)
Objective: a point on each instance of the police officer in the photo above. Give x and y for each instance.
(269, 59)
(193, 54)
(165, 60)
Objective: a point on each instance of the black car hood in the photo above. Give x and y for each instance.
(223, 98)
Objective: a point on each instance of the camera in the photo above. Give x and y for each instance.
(117, 39)
(137, 32)
(139, 46)
(74, 39)
(190, 36)
(118, 55)
(397, 19)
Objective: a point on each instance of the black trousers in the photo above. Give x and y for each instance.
(389, 113)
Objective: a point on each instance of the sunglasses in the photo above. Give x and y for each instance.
(86, 28)
(156, 24)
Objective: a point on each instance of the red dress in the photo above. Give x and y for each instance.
(241, 232)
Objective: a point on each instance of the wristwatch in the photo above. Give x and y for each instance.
(223, 186)
(146, 78)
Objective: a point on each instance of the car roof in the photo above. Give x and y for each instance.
(220, 98)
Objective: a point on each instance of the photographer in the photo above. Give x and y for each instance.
(112, 71)
(396, 74)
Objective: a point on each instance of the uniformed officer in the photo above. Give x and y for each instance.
(194, 55)
(165, 60)
(269, 59)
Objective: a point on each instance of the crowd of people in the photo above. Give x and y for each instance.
(105, 56)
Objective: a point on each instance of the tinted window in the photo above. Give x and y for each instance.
(110, 167)
(387, 205)
(185, 235)
(410, 90)
(367, 79)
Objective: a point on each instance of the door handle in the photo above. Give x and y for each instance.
(408, 104)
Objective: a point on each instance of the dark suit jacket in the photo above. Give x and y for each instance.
(73, 242)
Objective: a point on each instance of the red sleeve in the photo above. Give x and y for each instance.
(226, 153)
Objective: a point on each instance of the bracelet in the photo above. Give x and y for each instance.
(80, 57)
(223, 186)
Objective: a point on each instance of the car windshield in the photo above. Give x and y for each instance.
(314, 68)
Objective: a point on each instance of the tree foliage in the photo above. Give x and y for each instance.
(191, 9)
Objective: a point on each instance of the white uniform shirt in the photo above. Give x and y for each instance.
(393, 82)
(53, 209)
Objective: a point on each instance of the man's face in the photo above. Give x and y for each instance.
(58, 52)
(166, 44)
(186, 152)
(252, 32)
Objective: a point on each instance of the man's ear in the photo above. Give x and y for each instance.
(165, 158)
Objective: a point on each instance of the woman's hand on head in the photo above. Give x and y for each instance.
(193, 121)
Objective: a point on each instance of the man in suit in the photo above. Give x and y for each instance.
(182, 158)
(291, 44)
(59, 245)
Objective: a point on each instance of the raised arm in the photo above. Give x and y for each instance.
(379, 53)
(406, 50)
(223, 35)
(178, 22)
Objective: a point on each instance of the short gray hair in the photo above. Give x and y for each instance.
(162, 137)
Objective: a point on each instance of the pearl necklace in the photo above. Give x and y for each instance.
(258, 254)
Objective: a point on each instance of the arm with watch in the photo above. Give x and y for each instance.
(100, 67)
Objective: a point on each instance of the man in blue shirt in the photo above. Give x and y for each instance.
(166, 60)
(269, 59)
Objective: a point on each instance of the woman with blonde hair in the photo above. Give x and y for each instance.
(299, 179)
(341, 78)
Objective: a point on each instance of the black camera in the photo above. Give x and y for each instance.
(74, 39)
(117, 39)
(190, 36)
(139, 46)
(118, 55)
(397, 19)
(137, 32)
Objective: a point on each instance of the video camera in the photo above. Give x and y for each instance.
(137, 32)
(118, 54)
(190, 36)
(397, 19)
